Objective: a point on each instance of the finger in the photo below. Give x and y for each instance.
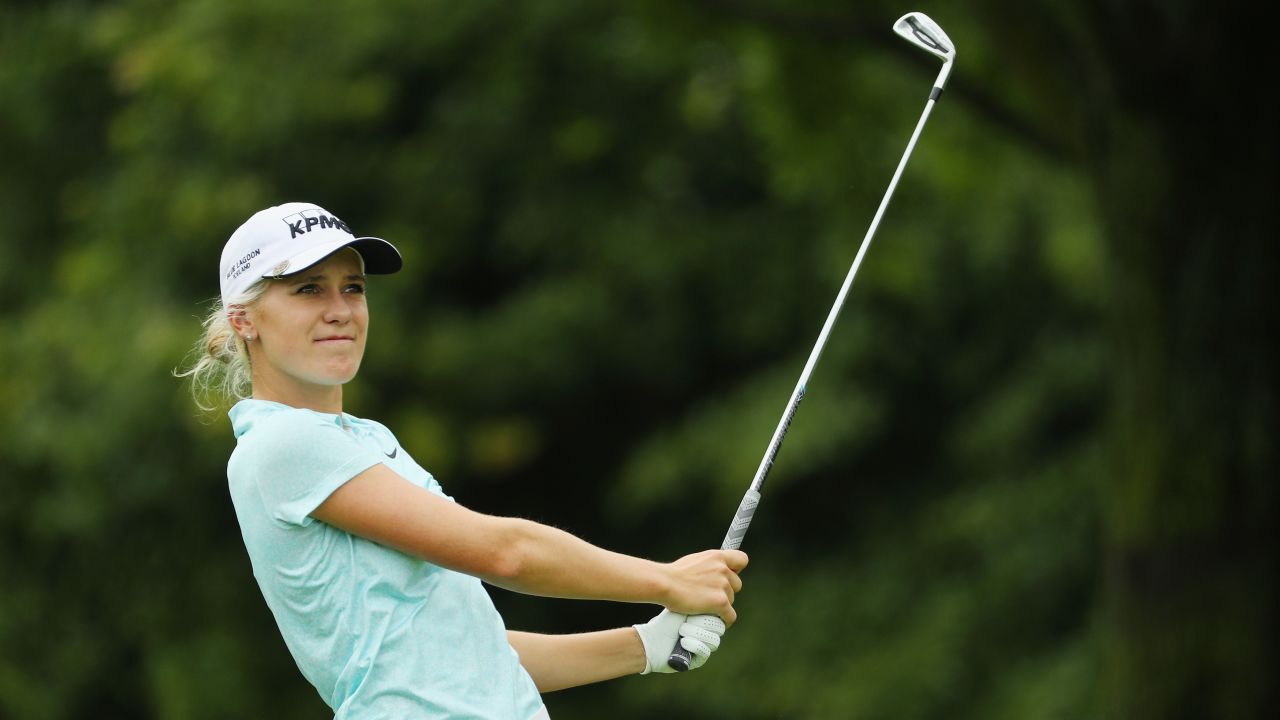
(735, 582)
(735, 559)
(697, 661)
(729, 615)
(706, 637)
(710, 623)
(695, 646)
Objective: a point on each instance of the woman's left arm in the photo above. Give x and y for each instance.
(556, 662)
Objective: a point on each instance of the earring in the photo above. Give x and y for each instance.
(248, 337)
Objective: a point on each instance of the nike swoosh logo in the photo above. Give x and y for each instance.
(392, 454)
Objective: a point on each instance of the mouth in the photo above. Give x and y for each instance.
(335, 340)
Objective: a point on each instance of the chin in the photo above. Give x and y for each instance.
(342, 378)
(335, 376)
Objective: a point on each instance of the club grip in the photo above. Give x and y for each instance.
(680, 658)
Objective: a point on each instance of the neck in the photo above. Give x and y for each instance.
(321, 398)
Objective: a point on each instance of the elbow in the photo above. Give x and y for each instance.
(512, 552)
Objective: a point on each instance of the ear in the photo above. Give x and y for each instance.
(240, 321)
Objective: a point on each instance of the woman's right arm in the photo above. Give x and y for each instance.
(525, 556)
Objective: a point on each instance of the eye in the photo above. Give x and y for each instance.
(308, 289)
(355, 288)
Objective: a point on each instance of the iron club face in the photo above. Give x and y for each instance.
(924, 33)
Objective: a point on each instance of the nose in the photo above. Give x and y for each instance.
(338, 309)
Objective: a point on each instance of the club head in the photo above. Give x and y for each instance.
(924, 33)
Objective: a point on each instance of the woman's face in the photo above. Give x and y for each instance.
(311, 327)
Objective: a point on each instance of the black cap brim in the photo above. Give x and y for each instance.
(380, 257)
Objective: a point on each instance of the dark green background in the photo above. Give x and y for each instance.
(1034, 477)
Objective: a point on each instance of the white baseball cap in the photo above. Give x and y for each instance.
(285, 239)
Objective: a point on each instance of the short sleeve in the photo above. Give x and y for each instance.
(297, 459)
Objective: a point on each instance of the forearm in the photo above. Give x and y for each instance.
(542, 560)
(524, 556)
(556, 662)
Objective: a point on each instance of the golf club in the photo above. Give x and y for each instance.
(922, 32)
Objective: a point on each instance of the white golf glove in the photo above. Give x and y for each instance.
(699, 634)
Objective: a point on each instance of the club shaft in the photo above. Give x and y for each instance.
(798, 393)
(680, 657)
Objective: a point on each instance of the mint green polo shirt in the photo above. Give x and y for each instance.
(380, 634)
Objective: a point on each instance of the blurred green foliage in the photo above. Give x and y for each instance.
(623, 225)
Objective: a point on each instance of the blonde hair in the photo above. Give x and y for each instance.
(222, 369)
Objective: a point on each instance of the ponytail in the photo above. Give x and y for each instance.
(222, 371)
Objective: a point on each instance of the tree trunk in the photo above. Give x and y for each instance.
(1182, 171)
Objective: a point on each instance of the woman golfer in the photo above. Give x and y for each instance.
(373, 574)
